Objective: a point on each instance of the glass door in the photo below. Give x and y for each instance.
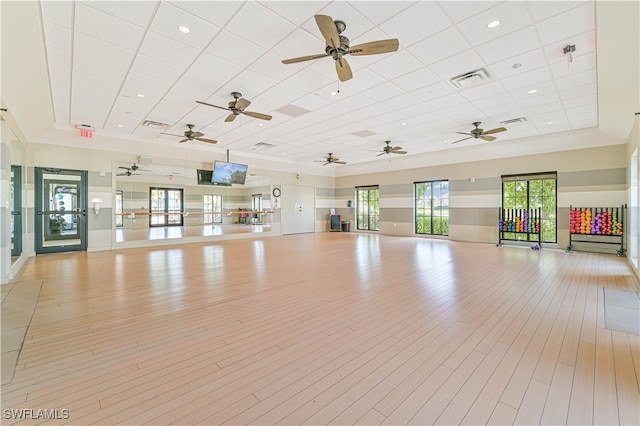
(61, 210)
(16, 210)
(166, 207)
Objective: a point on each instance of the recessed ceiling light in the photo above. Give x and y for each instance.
(549, 122)
(184, 29)
(532, 91)
(330, 141)
(284, 153)
(260, 124)
(404, 124)
(120, 125)
(516, 65)
(493, 24)
(140, 95)
(334, 93)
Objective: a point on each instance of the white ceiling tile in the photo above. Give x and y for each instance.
(271, 65)
(447, 101)
(144, 64)
(527, 79)
(492, 100)
(363, 80)
(458, 64)
(61, 112)
(578, 91)
(583, 100)
(250, 81)
(308, 81)
(94, 23)
(235, 49)
(439, 46)
(579, 64)
(512, 15)
(528, 61)
(168, 18)
(99, 69)
(395, 65)
(298, 11)
(97, 49)
(416, 79)
(167, 50)
(285, 92)
(215, 67)
(566, 25)
(434, 91)
(267, 28)
(298, 44)
(58, 12)
(356, 23)
(135, 12)
(509, 46)
(461, 10)
(416, 23)
(58, 58)
(152, 88)
(197, 81)
(57, 37)
(216, 12)
(383, 91)
(542, 10)
(480, 91)
(377, 14)
(577, 79)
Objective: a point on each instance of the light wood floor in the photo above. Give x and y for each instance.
(331, 328)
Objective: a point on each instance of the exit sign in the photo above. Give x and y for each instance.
(86, 133)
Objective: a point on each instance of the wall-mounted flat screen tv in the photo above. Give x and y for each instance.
(228, 173)
(205, 177)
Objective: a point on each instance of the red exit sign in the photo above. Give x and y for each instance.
(86, 133)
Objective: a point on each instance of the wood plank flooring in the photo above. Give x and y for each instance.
(330, 328)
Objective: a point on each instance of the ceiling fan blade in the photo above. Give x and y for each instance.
(375, 47)
(328, 29)
(121, 174)
(382, 153)
(496, 130)
(184, 140)
(197, 135)
(242, 103)
(206, 140)
(171, 134)
(230, 118)
(343, 69)
(340, 162)
(212, 105)
(122, 167)
(396, 148)
(326, 163)
(462, 139)
(257, 115)
(463, 133)
(488, 138)
(398, 152)
(304, 58)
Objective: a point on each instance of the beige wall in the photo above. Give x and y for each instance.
(588, 177)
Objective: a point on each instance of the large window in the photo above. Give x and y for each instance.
(212, 208)
(530, 192)
(166, 207)
(368, 208)
(432, 207)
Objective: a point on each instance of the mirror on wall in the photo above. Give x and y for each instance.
(161, 202)
(17, 154)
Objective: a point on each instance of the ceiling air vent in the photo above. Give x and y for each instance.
(513, 121)
(470, 78)
(263, 145)
(155, 124)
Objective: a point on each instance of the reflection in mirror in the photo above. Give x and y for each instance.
(15, 196)
(160, 202)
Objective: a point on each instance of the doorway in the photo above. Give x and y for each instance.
(61, 210)
(298, 209)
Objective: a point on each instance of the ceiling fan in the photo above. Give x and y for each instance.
(478, 133)
(338, 46)
(190, 135)
(331, 160)
(388, 149)
(237, 107)
(129, 171)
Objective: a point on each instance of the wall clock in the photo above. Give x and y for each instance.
(276, 192)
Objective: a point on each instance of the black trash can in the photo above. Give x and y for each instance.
(346, 226)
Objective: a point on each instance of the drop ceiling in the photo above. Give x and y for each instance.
(112, 65)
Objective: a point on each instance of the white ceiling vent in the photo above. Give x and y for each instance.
(263, 145)
(155, 124)
(518, 120)
(470, 78)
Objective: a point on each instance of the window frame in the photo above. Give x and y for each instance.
(431, 228)
(372, 218)
(168, 216)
